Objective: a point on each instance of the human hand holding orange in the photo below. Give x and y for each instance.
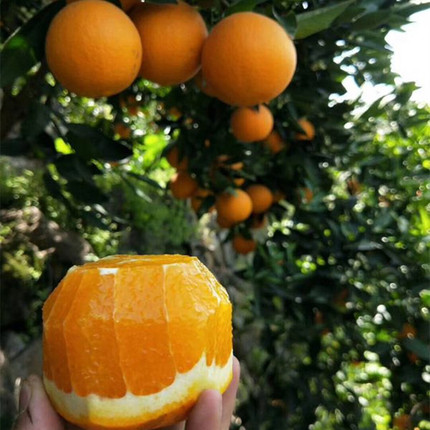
(212, 411)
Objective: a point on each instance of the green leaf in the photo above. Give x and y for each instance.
(38, 117)
(243, 6)
(71, 167)
(312, 22)
(372, 20)
(15, 147)
(26, 47)
(90, 143)
(418, 347)
(85, 192)
(146, 179)
(289, 22)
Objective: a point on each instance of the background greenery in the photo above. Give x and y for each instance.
(331, 312)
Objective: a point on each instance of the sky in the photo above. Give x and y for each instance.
(411, 60)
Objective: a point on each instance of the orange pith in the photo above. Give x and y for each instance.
(243, 69)
(126, 328)
(93, 49)
(251, 125)
(172, 38)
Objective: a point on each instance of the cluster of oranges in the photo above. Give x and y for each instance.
(235, 205)
(96, 49)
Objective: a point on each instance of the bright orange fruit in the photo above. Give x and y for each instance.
(93, 49)
(172, 38)
(248, 59)
(183, 185)
(233, 207)
(261, 196)
(243, 246)
(131, 341)
(251, 125)
(308, 128)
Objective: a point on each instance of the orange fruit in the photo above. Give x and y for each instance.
(251, 125)
(248, 59)
(261, 196)
(238, 182)
(93, 49)
(234, 207)
(274, 142)
(402, 422)
(242, 245)
(408, 331)
(308, 128)
(203, 85)
(122, 130)
(223, 223)
(307, 195)
(126, 4)
(176, 159)
(183, 185)
(278, 196)
(198, 198)
(131, 341)
(172, 38)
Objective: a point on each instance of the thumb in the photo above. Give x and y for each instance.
(35, 410)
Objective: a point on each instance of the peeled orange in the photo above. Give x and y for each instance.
(131, 341)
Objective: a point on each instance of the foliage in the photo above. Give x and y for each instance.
(325, 336)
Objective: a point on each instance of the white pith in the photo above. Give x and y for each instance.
(132, 408)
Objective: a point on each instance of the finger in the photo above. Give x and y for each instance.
(35, 410)
(229, 397)
(206, 415)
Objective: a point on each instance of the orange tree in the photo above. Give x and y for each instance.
(334, 333)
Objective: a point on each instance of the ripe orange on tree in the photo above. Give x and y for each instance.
(176, 159)
(183, 185)
(243, 245)
(93, 49)
(274, 142)
(251, 125)
(402, 422)
(234, 207)
(308, 128)
(248, 59)
(261, 196)
(172, 37)
(122, 130)
(131, 341)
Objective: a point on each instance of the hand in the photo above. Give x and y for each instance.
(211, 412)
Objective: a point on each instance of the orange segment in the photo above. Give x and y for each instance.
(91, 348)
(56, 351)
(141, 335)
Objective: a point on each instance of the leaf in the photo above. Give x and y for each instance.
(71, 167)
(418, 347)
(38, 117)
(15, 147)
(243, 6)
(26, 47)
(312, 22)
(372, 20)
(90, 143)
(146, 179)
(85, 192)
(289, 22)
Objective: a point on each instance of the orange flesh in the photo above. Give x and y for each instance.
(118, 331)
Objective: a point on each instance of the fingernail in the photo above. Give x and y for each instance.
(24, 396)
